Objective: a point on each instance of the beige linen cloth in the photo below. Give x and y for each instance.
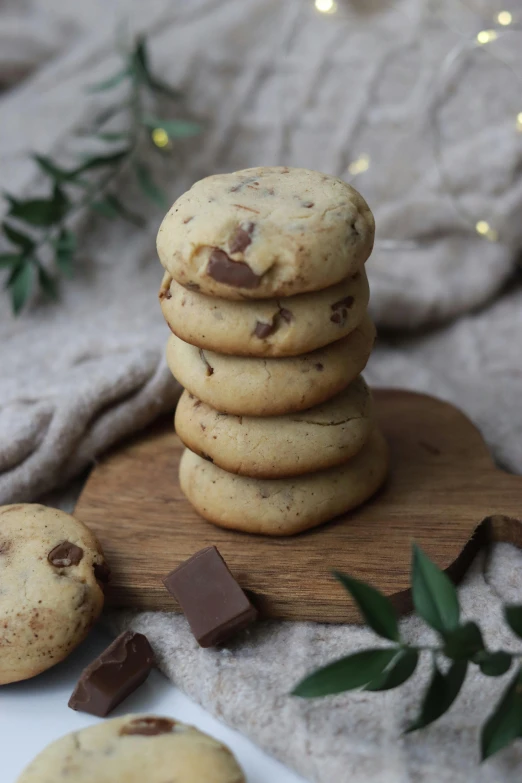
(276, 82)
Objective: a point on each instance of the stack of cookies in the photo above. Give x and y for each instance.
(266, 295)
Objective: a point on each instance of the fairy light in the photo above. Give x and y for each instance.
(360, 165)
(484, 229)
(519, 122)
(504, 18)
(326, 6)
(486, 36)
(160, 137)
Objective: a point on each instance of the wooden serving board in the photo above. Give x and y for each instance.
(443, 492)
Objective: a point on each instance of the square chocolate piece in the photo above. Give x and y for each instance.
(114, 675)
(210, 598)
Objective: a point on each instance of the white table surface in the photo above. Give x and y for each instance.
(35, 712)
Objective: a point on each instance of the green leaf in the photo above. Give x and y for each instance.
(401, 669)
(41, 212)
(17, 238)
(10, 259)
(149, 187)
(112, 136)
(505, 722)
(112, 207)
(463, 642)
(47, 283)
(20, 286)
(49, 167)
(109, 83)
(513, 615)
(442, 692)
(158, 85)
(373, 605)
(98, 161)
(65, 247)
(434, 595)
(348, 673)
(177, 129)
(493, 664)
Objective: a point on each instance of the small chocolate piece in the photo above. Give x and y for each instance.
(263, 330)
(210, 598)
(102, 572)
(210, 370)
(242, 238)
(286, 315)
(308, 204)
(206, 456)
(339, 317)
(347, 302)
(114, 675)
(65, 555)
(319, 366)
(148, 727)
(236, 273)
(191, 286)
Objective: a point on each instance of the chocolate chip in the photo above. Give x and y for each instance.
(191, 286)
(263, 330)
(308, 204)
(148, 727)
(210, 370)
(206, 456)
(346, 302)
(286, 315)
(242, 238)
(337, 318)
(187, 220)
(319, 366)
(235, 273)
(65, 555)
(168, 295)
(102, 572)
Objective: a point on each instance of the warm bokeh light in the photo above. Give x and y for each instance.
(504, 18)
(484, 229)
(160, 137)
(486, 36)
(326, 6)
(358, 166)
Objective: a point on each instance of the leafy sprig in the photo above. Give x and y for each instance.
(38, 231)
(460, 645)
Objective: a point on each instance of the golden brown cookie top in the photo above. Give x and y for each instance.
(264, 232)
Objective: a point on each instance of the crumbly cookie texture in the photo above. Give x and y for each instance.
(134, 749)
(285, 506)
(267, 327)
(272, 447)
(270, 387)
(266, 232)
(51, 575)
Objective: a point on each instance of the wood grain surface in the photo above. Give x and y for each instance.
(443, 492)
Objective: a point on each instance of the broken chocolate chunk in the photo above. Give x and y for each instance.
(213, 603)
(242, 238)
(343, 303)
(236, 273)
(263, 330)
(148, 727)
(65, 555)
(114, 675)
(102, 572)
(339, 317)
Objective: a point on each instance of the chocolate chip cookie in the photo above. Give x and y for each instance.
(284, 506)
(266, 232)
(270, 387)
(134, 749)
(51, 575)
(265, 327)
(272, 447)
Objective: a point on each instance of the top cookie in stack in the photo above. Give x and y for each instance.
(266, 295)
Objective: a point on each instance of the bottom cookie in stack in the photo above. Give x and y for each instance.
(283, 506)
